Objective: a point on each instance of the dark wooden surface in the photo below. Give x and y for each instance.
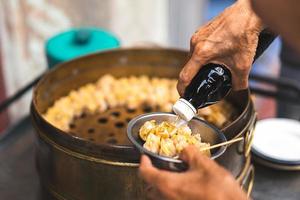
(18, 177)
(19, 180)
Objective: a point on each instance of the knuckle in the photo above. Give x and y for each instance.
(194, 39)
(184, 77)
(229, 44)
(198, 50)
(202, 51)
(244, 68)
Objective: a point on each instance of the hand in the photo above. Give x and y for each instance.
(229, 39)
(205, 180)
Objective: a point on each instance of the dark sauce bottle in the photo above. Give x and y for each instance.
(212, 83)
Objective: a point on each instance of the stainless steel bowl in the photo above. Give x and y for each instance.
(208, 132)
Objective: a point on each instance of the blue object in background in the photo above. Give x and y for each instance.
(78, 42)
(215, 7)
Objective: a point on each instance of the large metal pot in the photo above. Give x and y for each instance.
(72, 168)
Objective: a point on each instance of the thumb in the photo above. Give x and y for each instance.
(194, 158)
(152, 175)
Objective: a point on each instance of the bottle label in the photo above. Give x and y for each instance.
(209, 85)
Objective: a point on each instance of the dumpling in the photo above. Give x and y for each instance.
(167, 148)
(146, 129)
(152, 143)
(165, 130)
(184, 130)
(194, 139)
(168, 140)
(180, 142)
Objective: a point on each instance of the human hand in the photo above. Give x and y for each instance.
(205, 179)
(229, 39)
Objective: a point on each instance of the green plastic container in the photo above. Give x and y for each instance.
(78, 42)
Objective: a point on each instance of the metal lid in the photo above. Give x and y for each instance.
(77, 42)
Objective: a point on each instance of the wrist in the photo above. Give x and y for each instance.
(245, 9)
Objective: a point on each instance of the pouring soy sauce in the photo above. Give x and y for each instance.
(211, 84)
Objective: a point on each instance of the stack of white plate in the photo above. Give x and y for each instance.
(276, 143)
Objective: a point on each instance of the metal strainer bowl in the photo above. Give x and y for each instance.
(208, 132)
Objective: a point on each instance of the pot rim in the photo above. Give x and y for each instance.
(244, 112)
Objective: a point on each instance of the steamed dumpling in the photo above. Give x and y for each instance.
(168, 140)
(152, 143)
(167, 148)
(146, 129)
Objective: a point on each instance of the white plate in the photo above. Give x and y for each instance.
(277, 140)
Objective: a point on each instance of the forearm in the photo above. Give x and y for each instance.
(266, 36)
(247, 13)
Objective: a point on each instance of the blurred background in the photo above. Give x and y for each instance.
(26, 25)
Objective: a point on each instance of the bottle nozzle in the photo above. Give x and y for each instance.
(184, 109)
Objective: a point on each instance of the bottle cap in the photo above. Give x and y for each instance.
(184, 109)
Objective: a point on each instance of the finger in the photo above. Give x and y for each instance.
(194, 158)
(162, 182)
(202, 53)
(151, 174)
(239, 82)
(187, 73)
(193, 43)
(240, 72)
